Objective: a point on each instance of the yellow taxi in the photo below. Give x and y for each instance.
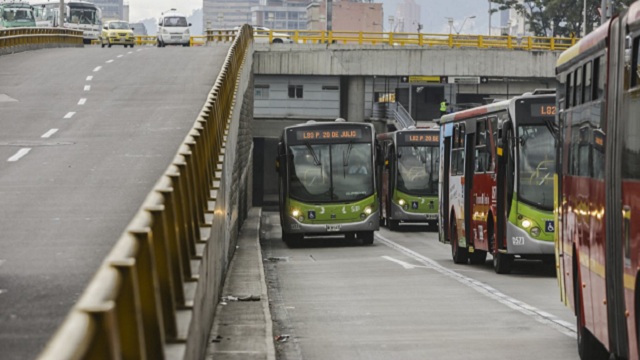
(117, 32)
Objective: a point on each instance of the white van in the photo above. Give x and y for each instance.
(173, 29)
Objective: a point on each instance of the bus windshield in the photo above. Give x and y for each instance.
(18, 15)
(418, 170)
(331, 172)
(84, 16)
(536, 165)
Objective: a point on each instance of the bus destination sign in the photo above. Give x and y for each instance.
(543, 110)
(421, 138)
(328, 134)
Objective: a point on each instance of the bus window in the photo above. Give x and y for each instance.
(577, 99)
(482, 154)
(587, 82)
(635, 69)
(457, 153)
(569, 91)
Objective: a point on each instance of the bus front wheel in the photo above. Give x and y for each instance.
(290, 239)
(394, 225)
(366, 237)
(459, 254)
(502, 263)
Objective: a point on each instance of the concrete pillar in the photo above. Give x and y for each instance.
(355, 99)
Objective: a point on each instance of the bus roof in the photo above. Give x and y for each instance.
(592, 41)
(476, 111)
(633, 15)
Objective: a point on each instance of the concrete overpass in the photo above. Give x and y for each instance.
(418, 77)
(196, 207)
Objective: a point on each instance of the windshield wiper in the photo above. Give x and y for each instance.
(345, 156)
(316, 160)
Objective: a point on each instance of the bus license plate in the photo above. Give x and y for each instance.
(335, 227)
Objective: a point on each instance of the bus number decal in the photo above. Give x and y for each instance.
(295, 226)
(355, 208)
(517, 240)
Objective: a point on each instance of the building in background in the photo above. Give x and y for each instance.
(511, 23)
(111, 9)
(407, 18)
(125, 12)
(226, 14)
(345, 15)
(281, 14)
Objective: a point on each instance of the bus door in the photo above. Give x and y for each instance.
(615, 209)
(469, 164)
(505, 181)
(281, 168)
(482, 183)
(445, 173)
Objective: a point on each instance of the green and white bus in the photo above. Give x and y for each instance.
(15, 14)
(408, 178)
(327, 184)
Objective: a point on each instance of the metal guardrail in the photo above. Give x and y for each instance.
(402, 116)
(131, 307)
(417, 39)
(20, 37)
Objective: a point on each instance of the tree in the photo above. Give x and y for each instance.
(562, 18)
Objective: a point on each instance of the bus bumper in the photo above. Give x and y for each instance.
(519, 242)
(398, 213)
(371, 223)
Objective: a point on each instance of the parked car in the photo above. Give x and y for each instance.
(117, 32)
(261, 35)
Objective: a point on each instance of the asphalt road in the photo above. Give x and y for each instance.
(404, 298)
(84, 135)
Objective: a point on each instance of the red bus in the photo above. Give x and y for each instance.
(598, 186)
(496, 181)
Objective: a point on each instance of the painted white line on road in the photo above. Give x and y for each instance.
(2, 261)
(70, 115)
(120, 56)
(109, 61)
(82, 101)
(131, 52)
(87, 87)
(486, 290)
(48, 135)
(405, 265)
(2, 291)
(97, 69)
(89, 78)
(22, 152)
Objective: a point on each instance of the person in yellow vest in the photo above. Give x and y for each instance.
(444, 106)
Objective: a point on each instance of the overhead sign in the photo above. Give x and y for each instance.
(464, 80)
(423, 79)
(445, 79)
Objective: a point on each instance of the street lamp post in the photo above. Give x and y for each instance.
(452, 27)
(463, 22)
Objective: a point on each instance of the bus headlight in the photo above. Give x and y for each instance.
(295, 213)
(535, 231)
(401, 202)
(367, 210)
(526, 223)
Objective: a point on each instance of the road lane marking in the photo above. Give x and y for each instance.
(109, 61)
(2, 261)
(87, 87)
(405, 265)
(89, 78)
(120, 56)
(82, 101)
(97, 69)
(47, 135)
(486, 290)
(70, 115)
(22, 152)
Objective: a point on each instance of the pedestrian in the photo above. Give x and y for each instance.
(444, 105)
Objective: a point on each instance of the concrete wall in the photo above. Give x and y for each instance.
(384, 60)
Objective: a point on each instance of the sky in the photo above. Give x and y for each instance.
(433, 12)
(145, 9)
